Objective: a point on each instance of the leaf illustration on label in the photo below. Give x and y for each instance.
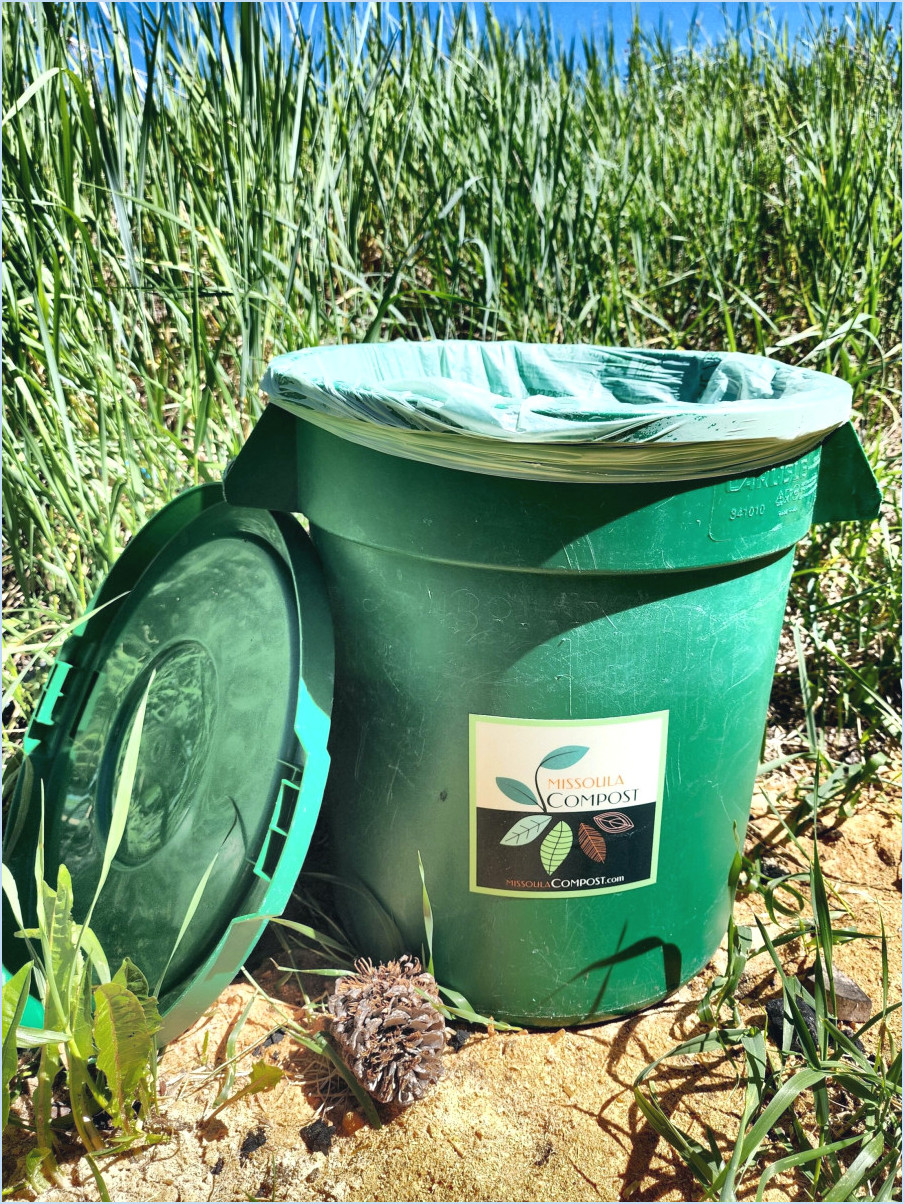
(527, 829)
(592, 843)
(517, 791)
(613, 822)
(556, 846)
(565, 757)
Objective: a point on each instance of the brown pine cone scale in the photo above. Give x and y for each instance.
(391, 1037)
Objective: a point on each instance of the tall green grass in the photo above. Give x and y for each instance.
(168, 227)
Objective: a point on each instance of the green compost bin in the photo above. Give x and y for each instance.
(555, 579)
(553, 656)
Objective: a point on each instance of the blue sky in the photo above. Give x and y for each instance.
(577, 20)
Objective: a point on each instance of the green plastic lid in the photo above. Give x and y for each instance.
(226, 608)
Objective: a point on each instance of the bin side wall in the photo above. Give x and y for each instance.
(470, 519)
(421, 646)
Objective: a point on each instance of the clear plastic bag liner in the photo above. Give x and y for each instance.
(572, 412)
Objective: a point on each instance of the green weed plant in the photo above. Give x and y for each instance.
(852, 1148)
(98, 1027)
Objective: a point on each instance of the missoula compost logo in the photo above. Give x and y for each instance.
(583, 819)
(559, 840)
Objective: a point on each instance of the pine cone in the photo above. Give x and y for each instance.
(391, 1037)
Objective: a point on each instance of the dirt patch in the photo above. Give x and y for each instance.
(518, 1116)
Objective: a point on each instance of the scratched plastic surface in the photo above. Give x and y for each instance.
(456, 594)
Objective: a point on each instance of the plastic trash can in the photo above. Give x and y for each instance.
(553, 690)
(555, 580)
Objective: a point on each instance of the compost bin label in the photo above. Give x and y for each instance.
(560, 807)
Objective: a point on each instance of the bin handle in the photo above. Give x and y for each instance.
(846, 488)
(264, 475)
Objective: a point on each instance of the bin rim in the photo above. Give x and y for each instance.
(605, 413)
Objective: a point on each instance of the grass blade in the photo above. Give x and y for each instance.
(187, 919)
(428, 915)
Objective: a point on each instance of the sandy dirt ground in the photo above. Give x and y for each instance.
(518, 1116)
